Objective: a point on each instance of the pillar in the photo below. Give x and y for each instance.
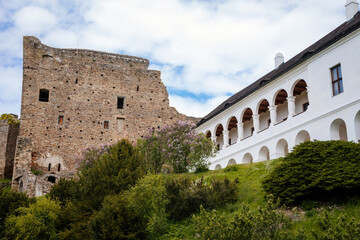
(256, 122)
(240, 131)
(273, 115)
(226, 138)
(291, 106)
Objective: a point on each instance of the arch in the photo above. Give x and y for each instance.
(299, 91)
(357, 126)
(248, 123)
(280, 100)
(264, 114)
(219, 136)
(301, 137)
(232, 127)
(208, 134)
(338, 130)
(282, 148)
(264, 154)
(231, 162)
(247, 158)
(217, 167)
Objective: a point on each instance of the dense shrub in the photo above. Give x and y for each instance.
(38, 221)
(316, 170)
(265, 223)
(117, 219)
(9, 202)
(64, 190)
(186, 196)
(177, 148)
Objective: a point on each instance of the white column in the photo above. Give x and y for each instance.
(291, 106)
(240, 131)
(226, 138)
(273, 116)
(256, 123)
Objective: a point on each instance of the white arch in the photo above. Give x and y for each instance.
(247, 158)
(217, 167)
(258, 104)
(275, 95)
(231, 162)
(357, 126)
(282, 148)
(207, 132)
(338, 130)
(216, 127)
(294, 85)
(301, 137)
(228, 121)
(264, 154)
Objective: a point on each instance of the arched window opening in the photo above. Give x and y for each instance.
(208, 134)
(233, 130)
(217, 167)
(282, 106)
(301, 137)
(301, 97)
(338, 130)
(49, 168)
(264, 154)
(282, 148)
(59, 167)
(248, 123)
(231, 162)
(219, 136)
(247, 158)
(264, 115)
(357, 126)
(51, 179)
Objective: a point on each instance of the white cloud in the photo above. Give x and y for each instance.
(10, 89)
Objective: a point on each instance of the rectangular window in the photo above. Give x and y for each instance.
(44, 95)
(336, 77)
(120, 102)
(106, 124)
(61, 120)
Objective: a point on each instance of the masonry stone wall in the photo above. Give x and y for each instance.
(73, 99)
(8, 135)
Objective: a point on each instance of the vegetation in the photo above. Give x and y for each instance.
(11, 120)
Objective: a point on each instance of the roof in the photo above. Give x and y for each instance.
(340, 32)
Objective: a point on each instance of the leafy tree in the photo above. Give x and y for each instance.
(177, 148)
(11, 120)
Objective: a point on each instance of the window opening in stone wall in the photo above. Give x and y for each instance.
(120, 102)
(21, 185)
(76, 81)
(137, 88)
(49, 168)
(52, 179)
(336, 77)
(44, 95)
(106, 124)
(59, 167)
(61, 120)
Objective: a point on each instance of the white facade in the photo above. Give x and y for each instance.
(297, 106)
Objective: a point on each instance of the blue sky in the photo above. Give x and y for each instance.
(206, 50)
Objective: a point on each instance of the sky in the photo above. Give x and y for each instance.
(206, 50)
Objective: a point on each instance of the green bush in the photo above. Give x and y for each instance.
(186, 196)
(316, 170)
(64, 190)
(38, 221)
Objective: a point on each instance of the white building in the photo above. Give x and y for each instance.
(314, 95)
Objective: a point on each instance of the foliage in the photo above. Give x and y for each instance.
(117, 219)
(11, 120)
(316, 170)
(177, 148)
(37, 172)
(9, 202)
(186, 195)
(38, 221)
(63, 191)
(115, 170)
(265, 223)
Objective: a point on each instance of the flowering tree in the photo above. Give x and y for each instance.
(177, 148)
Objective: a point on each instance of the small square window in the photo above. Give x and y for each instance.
(106, 124)
(44, 95)
(120, 102)
(61, 120)
(336, 78)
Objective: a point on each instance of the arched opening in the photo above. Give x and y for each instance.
(338, 130)
(264, 154)
(301, 137)
(217, 167)
(282, 148)
(247, 158)
(357, 126)
(248, 123)
(219, 136)
(52, 179)
(231, 162)
(264, 115)
(208, 134)
(21, 186)
(233, 130)
(281, 103)
(301, 97)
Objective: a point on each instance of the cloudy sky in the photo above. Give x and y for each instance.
(206, 50)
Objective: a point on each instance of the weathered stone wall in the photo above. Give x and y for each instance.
(82, 107)
(8, 135)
